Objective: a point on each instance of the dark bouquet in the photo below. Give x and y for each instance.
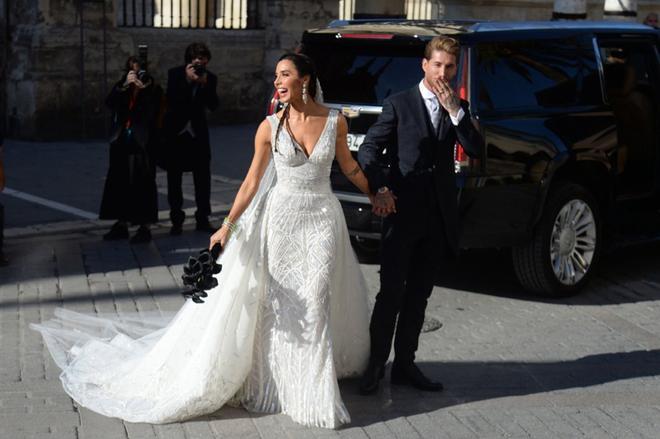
(198, 273)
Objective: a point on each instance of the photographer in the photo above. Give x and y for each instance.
(191, 89)
(130, 186)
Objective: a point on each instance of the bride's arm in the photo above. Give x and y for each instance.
(347, 163)
(250, 184)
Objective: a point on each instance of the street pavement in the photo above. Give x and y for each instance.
(513, 365)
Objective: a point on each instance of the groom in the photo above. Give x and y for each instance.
(416, 192)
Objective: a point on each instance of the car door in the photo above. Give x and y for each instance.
(538, 102)
(631, 82)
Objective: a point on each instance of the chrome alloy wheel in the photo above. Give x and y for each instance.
(573, 242)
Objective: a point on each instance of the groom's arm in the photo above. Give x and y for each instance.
(467, 134)
(381, 135)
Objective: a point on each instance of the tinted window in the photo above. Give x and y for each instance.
(631, 83)
(540, 73)
(360, 74)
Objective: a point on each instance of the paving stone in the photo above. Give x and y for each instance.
(513, 365)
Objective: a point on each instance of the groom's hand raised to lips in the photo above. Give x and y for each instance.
(446, 96)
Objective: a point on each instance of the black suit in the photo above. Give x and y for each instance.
(188, 102)
(419, 168)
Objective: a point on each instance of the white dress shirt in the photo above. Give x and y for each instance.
(433, 107)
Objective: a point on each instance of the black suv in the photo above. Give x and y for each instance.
(569, 113)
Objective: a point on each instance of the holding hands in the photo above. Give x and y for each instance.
(383, 203)
(446, 96)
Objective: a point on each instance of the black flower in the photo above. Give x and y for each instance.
(198, 273)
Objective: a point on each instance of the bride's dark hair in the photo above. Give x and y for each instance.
(305, 66)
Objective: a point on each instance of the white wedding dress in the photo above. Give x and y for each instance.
(288, 318)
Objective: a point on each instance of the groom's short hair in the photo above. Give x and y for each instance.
(445, 44)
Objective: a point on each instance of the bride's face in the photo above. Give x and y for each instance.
(288, 81)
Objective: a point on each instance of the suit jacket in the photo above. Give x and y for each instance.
(419, 162)
(189, 102)
(143, 114)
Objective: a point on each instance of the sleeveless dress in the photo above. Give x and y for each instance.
(288, 318)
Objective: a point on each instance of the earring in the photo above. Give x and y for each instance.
(304, 92)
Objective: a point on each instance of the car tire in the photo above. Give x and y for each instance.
(563, 252)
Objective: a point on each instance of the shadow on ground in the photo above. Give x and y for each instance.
(467, 382)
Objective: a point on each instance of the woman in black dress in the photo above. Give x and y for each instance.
(130, 193)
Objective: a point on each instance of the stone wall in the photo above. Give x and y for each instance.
(43, 94)
(45, 86)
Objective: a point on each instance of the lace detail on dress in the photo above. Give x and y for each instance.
(289, 316)
(294, 371)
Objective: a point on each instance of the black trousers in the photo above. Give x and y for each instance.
(413, 248)
(202, 179)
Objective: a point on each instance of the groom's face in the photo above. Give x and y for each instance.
(442, 66)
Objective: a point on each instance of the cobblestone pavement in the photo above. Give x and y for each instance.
(513, 365)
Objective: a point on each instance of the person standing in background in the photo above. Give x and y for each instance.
(130, 187)
(191, 90)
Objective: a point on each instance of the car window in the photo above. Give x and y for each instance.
(628, 64)
(364, 74)
(538, 73)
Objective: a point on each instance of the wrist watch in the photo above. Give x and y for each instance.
(383, 189)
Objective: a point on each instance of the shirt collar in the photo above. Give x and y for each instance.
(426, 93)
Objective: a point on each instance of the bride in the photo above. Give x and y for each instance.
(289, 315)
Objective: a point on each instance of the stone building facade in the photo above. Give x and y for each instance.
(60, 57)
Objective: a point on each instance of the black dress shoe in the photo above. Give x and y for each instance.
(176, 229)
(205, 226)
(371, 378)
(143, 235)
(117, 232)
(410, 375)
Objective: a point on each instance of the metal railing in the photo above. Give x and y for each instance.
(188, 14)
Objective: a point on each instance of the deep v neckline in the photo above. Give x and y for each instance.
(302, 149)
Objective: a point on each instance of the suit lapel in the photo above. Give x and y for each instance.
(421, 114)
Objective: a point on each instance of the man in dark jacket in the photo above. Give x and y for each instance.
(416, 192)
(191, 90)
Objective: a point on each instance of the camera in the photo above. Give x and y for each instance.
(199, 69)
(142, 59)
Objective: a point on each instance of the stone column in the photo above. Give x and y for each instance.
(569, 10)
(623, 10)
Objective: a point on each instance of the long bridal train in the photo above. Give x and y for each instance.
(248, 343)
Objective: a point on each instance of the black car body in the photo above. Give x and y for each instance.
(568, 111)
